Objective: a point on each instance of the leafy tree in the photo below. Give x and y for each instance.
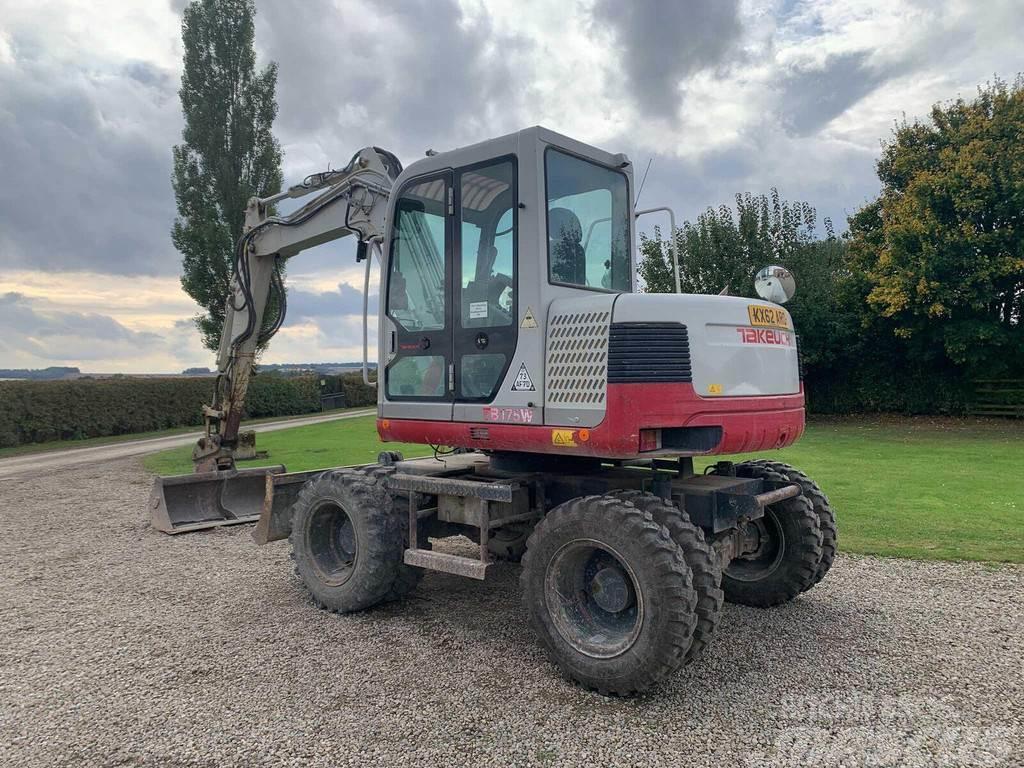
(942, 249)
(228, 152)
(726, 249)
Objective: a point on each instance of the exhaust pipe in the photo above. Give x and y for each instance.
(184, 503)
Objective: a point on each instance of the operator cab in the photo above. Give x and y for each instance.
(471, 268)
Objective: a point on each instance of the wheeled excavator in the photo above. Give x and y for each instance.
(565, 409)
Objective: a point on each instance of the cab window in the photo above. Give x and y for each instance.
(416, 283)
(588, 223)
(487, 290)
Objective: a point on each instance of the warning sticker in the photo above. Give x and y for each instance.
(529, 321)
(477, 310)
(523, 382)
(565, 438)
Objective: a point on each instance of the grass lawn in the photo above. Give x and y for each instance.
(90, 442)
(919, 488)
(331, 444)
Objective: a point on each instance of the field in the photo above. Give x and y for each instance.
(916, 488)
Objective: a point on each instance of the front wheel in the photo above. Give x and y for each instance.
(348, 541)
(609, 594)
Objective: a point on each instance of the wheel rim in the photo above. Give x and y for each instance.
(765, 558)
(331, 542)
(593, 598)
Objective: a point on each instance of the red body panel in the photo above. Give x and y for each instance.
(748, 424)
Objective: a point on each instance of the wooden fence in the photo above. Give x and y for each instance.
(997, 397)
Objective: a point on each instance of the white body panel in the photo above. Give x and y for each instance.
(730, 357)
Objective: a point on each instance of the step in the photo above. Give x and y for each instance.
(439, 561)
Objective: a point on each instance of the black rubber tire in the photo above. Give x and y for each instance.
(660, 577)
(408, 577)
(798, 561)
(377, 569)
(822, 507)
(702, 559)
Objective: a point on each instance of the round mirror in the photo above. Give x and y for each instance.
(776, 284)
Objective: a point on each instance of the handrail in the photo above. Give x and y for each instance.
(671, 238)
(366, 312)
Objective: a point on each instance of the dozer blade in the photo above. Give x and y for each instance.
(184, 503)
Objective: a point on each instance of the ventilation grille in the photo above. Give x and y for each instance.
(646, 352)
(577, 359)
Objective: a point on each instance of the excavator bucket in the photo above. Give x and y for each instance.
(185, 503)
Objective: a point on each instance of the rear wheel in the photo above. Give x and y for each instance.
(609, 594)
(702, 559)
(348, 542)
(780, 551)
(822, 508)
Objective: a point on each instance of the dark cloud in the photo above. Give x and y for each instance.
(664, 41)
(59, 335)
(407, 76)
(85, 151)
(813, 95)
(328, 304)
(86, 167)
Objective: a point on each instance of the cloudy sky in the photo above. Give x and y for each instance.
(725, 96)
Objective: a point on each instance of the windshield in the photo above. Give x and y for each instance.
(416, 285)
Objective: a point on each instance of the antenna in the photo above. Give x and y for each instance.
(643, 181)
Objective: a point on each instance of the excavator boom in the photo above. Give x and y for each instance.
(350, 201)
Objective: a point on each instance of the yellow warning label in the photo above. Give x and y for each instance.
(529, 321)
(565, 438)
(714, 389)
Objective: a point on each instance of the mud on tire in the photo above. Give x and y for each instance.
(348, 542)
(702, 559)
(609, 594)
(787, 559)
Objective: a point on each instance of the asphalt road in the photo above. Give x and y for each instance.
(35, 463)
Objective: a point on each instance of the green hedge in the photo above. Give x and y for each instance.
(38, 411)
(896, 390)
(351, 385)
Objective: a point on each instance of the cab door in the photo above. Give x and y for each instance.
(485, 278)
(419, 377)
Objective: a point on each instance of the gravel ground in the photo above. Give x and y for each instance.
(122, 646)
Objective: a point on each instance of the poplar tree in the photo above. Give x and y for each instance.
(228, 151)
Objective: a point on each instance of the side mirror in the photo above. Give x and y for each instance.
(775, 284)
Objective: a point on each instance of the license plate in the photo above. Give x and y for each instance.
(768, 317)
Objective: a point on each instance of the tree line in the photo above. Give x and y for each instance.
(924, 293)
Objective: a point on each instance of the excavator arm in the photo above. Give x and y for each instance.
(349, 201)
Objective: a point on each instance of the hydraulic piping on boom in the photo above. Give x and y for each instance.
(352, 201)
